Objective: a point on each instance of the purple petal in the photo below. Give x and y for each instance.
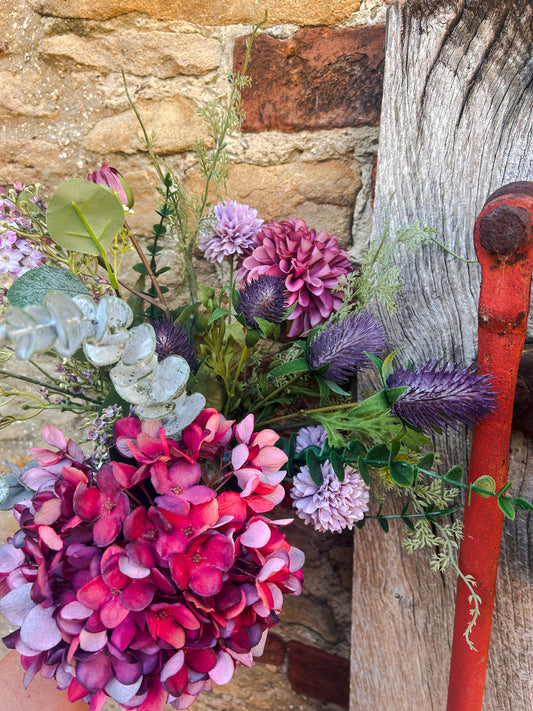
(122, 693)
(10, 557)
(95, 672)
(39, 630)
(223, 670)
(17, 604)
(132, 569)
(93, 641)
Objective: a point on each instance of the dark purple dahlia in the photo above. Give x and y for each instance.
(264, 297)
(172, 339)
(442, 395)
(341, 345)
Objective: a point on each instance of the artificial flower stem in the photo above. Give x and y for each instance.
(112, 277)
(235, 379)
(305, 413)
(275, 392)
(27, 379)
(145, 297)
(462, 259)
(149, 271)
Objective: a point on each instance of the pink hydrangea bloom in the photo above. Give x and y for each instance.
(310, 265)
(146, 581)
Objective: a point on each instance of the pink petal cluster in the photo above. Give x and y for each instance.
(148, 580)
(310, 265)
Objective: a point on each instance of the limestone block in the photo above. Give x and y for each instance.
(174, 121)
(318, 78)
(30, 160)
(161, 54)
(300, 12)
(21, 96)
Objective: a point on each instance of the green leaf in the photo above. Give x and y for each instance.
(387, 369)
(337, 464)
(183, 313)
(363, 471)
(392, 394)
(486, 483)
(252, 337)
(361, 522)
(506, 507)
(402, 473)
(217, 313)
(375, 360)
(32, 286)
(455, 473)
(315, 470)
(522, 504)
(383, 522)
(140, 268)
(407, 521)
(505, 488)
(394, 449)
(323, 389)
(427, 461)
(356, 448)
(267, 327)
(378, 453)
(163, 270)
(332, 385)
(82, 215)
(298, 365)
(291, 308)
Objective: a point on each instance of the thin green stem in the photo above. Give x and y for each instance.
(442, 246)
(235, 379)
(276, 392)
(305, 413)
(62, 391)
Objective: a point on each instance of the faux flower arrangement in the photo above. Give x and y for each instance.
(145, 566)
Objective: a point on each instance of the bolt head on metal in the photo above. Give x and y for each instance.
(505, 229)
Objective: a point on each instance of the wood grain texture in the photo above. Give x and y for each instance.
(456, 123)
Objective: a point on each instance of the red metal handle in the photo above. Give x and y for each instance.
(504, 247)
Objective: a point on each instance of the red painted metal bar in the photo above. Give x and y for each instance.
(504, 246)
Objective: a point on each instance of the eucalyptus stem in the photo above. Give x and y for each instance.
(61, 391)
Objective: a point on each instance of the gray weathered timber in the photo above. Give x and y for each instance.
(457, 123)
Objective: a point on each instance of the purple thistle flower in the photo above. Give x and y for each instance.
(442, 394)
(264, 297)
(334, 505)
(341, 345)
(172, 339)
(233, 233)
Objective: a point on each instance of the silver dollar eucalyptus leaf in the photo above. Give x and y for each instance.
(69, 322)
(154, 410)
(140, 346)
(186, 410)
(170, 378)
(124, 376)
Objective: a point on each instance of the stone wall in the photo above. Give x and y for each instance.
(307, 149)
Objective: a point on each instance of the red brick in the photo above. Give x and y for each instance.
(318, 674)
(275, 650)
(318, 78)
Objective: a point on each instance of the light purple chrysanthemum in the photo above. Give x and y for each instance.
(233, 232)
(341, 345)
(308, 436)
(442, 394)
(264, 297)
(334, 505)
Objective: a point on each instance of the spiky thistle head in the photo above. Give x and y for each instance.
(264, 297)
(342, 344)
(442, 395)
(172, 339)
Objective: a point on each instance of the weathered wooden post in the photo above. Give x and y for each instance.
(457, 121)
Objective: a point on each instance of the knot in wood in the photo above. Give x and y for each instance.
(505, 229)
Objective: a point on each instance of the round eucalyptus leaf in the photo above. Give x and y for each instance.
(154, 411)
(68, 320)
(170, 378)
(32, 286)
(125, 375)
(82, 215)
(136, 393)
(186, 410)
(140, 347)
(100, 355)
(112, 314)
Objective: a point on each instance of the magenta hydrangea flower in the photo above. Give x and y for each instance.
(441, 395)
(342, 345)
(138, 582)
(234, 228)
(309, 263)
(334, 505)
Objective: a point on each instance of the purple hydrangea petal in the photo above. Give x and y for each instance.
(39, 629)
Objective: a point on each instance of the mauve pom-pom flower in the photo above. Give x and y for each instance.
(341, 345)
(334, 505)
(309, 263)
(442, 394)
(172, 339)
(264, 297)
(308, 436)
(233, 232)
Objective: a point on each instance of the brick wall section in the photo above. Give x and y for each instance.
(317, 78)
